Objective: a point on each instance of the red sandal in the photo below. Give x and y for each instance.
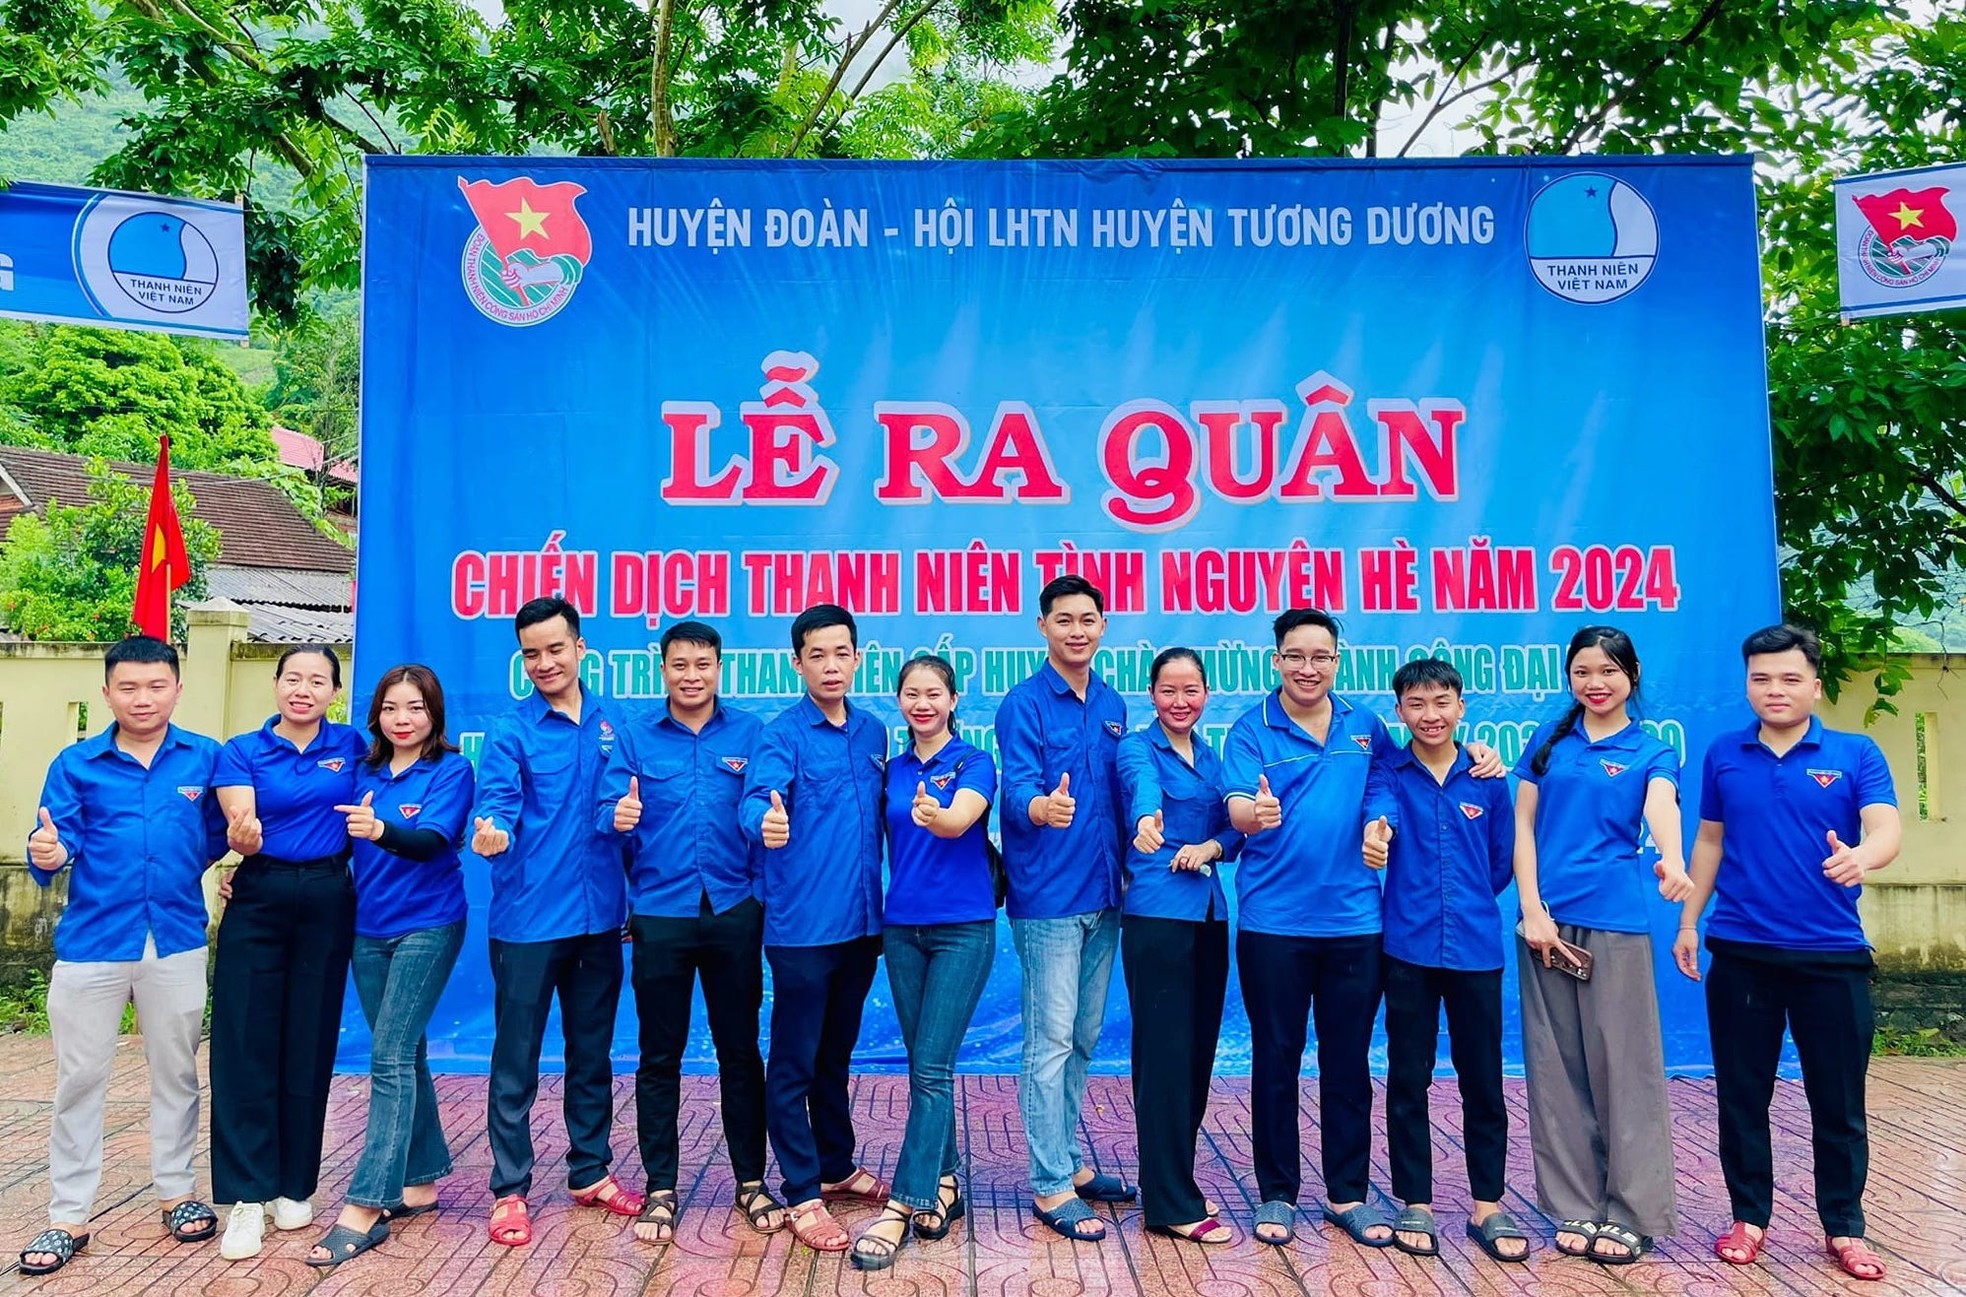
(1857, 1260)
(511, 1224)
(1747, 1247)
(621, 1202)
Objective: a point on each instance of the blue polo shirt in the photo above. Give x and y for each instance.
(1590, 808)
(1154, 777)
(1044, 731)
(687, 844)
(296, 790)
(537, 779)
(139, 841)
(1778, 813)
(824, 886)
(1452, 854)
(394, 895)
(931, 879)
(1306, 878)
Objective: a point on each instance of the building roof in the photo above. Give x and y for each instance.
(303, 451)
(290, 587)
(274, 623)
(257, 525)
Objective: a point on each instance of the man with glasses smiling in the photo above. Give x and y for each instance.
(1295, 766)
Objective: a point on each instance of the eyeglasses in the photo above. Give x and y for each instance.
(1298, 661)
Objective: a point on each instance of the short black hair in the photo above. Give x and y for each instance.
(318, 650)
(1782, 638)
(819, 617)
(546, 608)
(1421, 672)
(1177, 654)
(1294, 618)
(693, 632)
(1063, 587)
(143, 649)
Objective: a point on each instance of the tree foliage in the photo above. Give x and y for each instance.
(70, 573)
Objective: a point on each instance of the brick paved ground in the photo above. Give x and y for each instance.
(1918, 1222)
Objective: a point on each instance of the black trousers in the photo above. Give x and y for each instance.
(1334, 981)
(727, 951)
(1414, 996)
(283, 949)
(817, 996)
(585, 972)
(1827, 1008)
(1177, 973)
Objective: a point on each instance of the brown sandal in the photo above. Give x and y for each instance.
(862, 1186)
(815, 1227)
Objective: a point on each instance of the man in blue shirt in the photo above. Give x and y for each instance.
(672, 785)
(812, 801)
(131, 815)
(1058, 734)
(1793, 816)
(1447, 843)
(558, 901)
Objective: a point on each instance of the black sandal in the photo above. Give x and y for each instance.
(1417, 1220)
(57, 1243)
(950, 1207)
(345, 1244)
(1584, 1229)
(660, 1209)
(179, 1220)
(1635, 1244)
(884, 1253)
(756, 1204)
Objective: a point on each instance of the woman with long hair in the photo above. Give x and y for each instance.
(1599, 1116)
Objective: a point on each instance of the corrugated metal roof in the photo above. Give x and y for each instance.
(294, 586)
(280, 624)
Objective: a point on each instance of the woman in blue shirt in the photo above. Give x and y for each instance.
(1599, 1116)
(413, 797)
(1174, 939)
(283, 947)
(940, 938)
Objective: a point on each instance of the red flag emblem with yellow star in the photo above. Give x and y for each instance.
(1909, 214)
(524, 214)
(164, 565)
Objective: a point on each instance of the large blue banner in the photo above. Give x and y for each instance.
(1467, 407)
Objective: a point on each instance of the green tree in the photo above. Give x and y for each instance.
(70, 573)
(317, 381)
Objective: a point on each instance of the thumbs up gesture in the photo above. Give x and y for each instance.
(1060, 805)
(1150, 833)
(242, 832)
(628, 811)
(777, 830)
(487, 839)
(1845, 865)
(924, 808)
(44, 847)
(1269, 811)
(1378, 842)
(362, 823)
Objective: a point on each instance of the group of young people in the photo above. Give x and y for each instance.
(1364, 872)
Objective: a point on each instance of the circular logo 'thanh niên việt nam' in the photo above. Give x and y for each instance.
(1591, 238)
(163, 262)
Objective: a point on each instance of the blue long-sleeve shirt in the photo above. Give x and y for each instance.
(1452, 854)
(537, 777)
(687, 844)
(1044, 731)
(824, 885)
(139, 840)
(1154, 777)
(394, 894)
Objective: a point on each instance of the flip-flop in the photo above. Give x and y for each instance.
(1356, 1220)
(1636, 1244)
(57, 1243)
(1415, 1220)
(1489, 1234)
(1855, 1254)
(1065, 1217)
(1737, 1239)
(1584, 1229)
(1106, 1188)
(345, 1244)
(1280, 1213)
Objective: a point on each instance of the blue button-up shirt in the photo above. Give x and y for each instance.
(824, 885)
(537, 779)
(1306, 878)
(139, 839)
(296, 791)
(687, 844)
(1154, 777)
(931, 879)
(1452, 854)
(1590, 805)
(395, 895)
(1778, 813)
(1044, 731)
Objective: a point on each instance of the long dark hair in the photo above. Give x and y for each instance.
(1619, 648)
(424, 681)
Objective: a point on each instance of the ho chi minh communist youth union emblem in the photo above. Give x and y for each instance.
(523, 262)
(1591, 238)
(1906, 236)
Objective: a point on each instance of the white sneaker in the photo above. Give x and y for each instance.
(243, 1228)
(289, 1214)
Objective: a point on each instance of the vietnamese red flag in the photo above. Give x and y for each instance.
(1909, 214)
(164, 565)
(521, 214)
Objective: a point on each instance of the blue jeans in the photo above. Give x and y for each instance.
(937, 972)
(398, 980)
(1068, 965)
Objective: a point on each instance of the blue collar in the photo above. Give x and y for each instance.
(1277, 718)
(1059, 685)
(1811, 739)
(538, 709)
(1407, 757)
(716, 720)
(104, 744)
(809, 712)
